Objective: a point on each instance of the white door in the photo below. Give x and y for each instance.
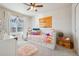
(77, 28)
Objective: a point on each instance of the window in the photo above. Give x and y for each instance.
(16, 24)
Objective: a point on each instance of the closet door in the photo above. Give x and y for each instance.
(77, 28)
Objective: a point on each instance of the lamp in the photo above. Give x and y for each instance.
(33, 8)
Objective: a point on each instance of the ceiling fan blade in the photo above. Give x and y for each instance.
(32, 4)
(39, 6)
(29, 8)
(27, 4)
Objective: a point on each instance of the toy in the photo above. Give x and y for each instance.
(48, 38)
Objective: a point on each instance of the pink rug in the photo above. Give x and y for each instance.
(27, 50)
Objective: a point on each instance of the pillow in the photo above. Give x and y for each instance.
(36, 28)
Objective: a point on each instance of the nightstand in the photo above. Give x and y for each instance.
(65, 43)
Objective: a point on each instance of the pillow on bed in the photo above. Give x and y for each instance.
(27, 50)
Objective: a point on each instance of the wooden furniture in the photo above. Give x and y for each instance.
(65, 43)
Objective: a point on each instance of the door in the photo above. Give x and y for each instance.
(77, 28)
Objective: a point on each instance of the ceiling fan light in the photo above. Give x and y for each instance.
(31, 8)
(34, 8)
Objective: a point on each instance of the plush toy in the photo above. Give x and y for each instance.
(48, 38)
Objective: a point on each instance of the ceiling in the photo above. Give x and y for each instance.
(48, 7)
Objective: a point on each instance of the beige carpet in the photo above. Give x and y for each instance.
(44, 51)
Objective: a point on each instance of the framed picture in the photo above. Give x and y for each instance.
(45, 22)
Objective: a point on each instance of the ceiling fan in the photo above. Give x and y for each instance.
(33, 6)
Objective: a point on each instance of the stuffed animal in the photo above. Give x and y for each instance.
(48, 38)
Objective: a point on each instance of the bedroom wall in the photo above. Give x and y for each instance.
(74, 25)
(61, 19)
(25, 18)
(1, 22)
(6, 13)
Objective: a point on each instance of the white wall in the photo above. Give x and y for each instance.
(1, 22)
(75, 18)
(5, 15)
(74, 26)
(27, 22)
(61, 18)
